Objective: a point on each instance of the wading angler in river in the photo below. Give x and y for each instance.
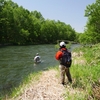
(37, 59)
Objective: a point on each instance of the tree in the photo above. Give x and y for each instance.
(20, 26)
(93, 25)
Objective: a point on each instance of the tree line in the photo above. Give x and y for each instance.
(20, 26)
(91, 33)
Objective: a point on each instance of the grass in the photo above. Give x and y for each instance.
(85, 86)
(28, 80)
(32, 78)
(87, 75)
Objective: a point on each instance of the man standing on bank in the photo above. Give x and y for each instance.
(64, 57)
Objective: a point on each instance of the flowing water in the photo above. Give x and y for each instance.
(16, 62)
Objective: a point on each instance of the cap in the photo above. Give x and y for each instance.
(62, 44)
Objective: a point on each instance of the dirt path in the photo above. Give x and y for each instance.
(48, 88)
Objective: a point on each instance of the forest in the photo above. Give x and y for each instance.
(91, 33)
(19, 26)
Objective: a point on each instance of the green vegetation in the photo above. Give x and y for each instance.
(91, 33)
(20, 26)
(11, 92)
(32, 78)
(87, 77)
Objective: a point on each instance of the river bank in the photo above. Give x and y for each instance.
(86, 80)
(85, 72)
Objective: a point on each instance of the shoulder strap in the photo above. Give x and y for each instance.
(63, 50)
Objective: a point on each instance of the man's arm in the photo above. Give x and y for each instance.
(58, 55)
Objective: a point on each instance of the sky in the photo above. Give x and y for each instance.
(68, 11)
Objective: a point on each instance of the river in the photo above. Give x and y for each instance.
(16, 62)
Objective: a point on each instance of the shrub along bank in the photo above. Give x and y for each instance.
(86, 72)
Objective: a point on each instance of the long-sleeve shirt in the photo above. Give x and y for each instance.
(59, 54)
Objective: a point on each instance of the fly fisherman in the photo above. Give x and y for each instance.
(37, 58)
(64, 67)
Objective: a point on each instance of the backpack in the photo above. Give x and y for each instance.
(66, 59)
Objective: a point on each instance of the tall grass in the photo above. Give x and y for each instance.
(32, 78)
(86, 76)
(15, 91)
